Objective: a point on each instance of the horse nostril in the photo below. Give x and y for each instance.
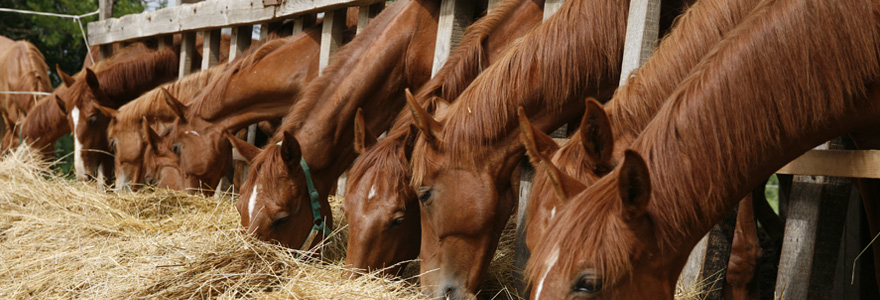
(89, 177)
(449, 293)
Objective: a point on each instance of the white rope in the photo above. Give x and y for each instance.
(76, 18)
(26, 93)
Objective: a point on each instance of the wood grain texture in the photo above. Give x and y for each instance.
(455, 16)
(331, 36)
(643, 25)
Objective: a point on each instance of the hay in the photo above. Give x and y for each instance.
(63, 239)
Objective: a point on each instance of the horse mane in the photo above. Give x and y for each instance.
(218, 87)
(387, 155)
(827, 55)
(124, 76)
(38, 68)
(153, 101)
(692, 36)
(344, 58)
(486, 110)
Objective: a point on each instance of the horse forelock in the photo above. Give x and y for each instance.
(386, 161)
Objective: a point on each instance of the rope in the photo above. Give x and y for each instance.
(26, 93)
(76, 18)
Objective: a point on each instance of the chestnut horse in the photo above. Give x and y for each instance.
(22, 69)
(256, 87)
(381, 209)
(790, 76)
(127, 138)
(394, 51)
(87, 104)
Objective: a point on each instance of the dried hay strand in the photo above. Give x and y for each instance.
(62, 239)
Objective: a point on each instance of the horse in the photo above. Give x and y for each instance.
(370, 74)
(257, 87)
(127, 138)
(715, 139)
(381, 209)
(86, 103)
(24, 69)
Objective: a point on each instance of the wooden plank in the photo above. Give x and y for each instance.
(521, 252)
(366, 14)
(642, 30)
(211, 49)
(551, 6)
(187, 50)
(707, 264)
(205, 15)
(303, 22)
(690, 275)
(241, 40)
(331, 36)
(105, 11)
(166, 41)
(455, 16)
(840, 163)
(814, 200)
(493, 3)
(264, 32)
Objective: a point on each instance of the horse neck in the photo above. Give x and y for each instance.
(574, 54)
(702, 26)
(780, 83)
(124, 81)
(370, 73)
(264, 89)
(45, 122)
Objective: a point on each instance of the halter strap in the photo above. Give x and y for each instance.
(318, 226)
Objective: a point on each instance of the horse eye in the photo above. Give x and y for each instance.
(93, 119)
(280, 220)
(396, 222)
(175, 148)
(424, 194)
(588, 284)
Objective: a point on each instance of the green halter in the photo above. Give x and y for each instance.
(318, 222)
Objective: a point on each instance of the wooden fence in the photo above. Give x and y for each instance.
(813, 193)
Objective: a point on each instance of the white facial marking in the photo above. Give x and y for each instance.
(550, 263)
(252, 202)
(553, 213)
(78, 164)
(122, 182)
(101, 177)
(191, 132)
(372, 192)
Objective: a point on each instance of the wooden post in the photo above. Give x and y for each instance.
(105, 8)
(303, 22)
(241, 40)
(166, 41)
(521, 252)
(641, 35)
(211, 49)
(187, 50)
(493, 3)
(551, 6)
(331, 36)
(814, 200)
(455, 16)
(366, 13)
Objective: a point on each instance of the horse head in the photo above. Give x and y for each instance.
(381, 209)
(278, 201)
(89, 116)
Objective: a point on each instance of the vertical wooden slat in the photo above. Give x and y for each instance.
(303, 22)
(105, 8)
(455, 16)
(264, 32)
(211, 49)
(331, 36)
(366, 13)
(241, 40)
(521, 251)
(166, 41)
(187, 49)
(643, 25)
(814, 200)
(492, 4)
(551, 6)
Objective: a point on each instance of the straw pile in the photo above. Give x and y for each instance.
(62, 239)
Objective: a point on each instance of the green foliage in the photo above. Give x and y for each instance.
(60, 39)
(772, 193)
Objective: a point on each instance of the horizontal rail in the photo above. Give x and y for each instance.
(206, 15)
(840, 163)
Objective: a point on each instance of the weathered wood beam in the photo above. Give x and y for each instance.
(211, 49)
(455, 16)
(643, 25)
(366, 13)
(303, 22)
(187, 51)
(105, 11)
(840, 163)
(206, 15)
(331, 36)
(240, 41)
(521, 251)
(551, 6)
(492, 4)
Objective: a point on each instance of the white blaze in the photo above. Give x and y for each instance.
(372, 192)
(553, 213)
(252, 202)
(78, 165)
(550, 263)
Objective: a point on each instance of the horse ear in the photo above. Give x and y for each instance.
(424, 121)
(61, 104)
(539, 145)
(596, 136)
(290, 151)
(107, 111)
(92, 80)
(440, 104)
(565, 186)
(634, 184)
(363, 138)
(65, 79)
(247, 151)
(178, 108)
